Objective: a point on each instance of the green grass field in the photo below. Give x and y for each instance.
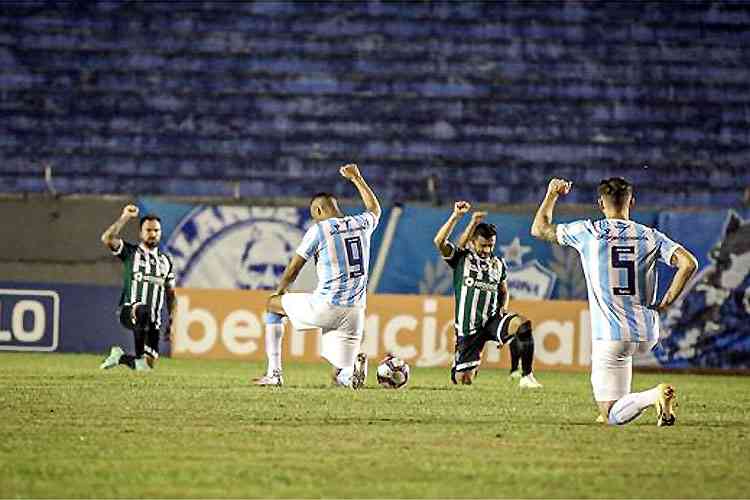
(198, 429)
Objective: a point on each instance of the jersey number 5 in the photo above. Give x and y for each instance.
(354, 256)
(618, 263)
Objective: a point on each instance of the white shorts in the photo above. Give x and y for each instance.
(612, 367)
(342, 327)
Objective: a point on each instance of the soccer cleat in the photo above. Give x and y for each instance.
(113, 359)
(275, 379)
(529, 382)
(141, 365)
(665, 404)
(360, 371)
(515, 374)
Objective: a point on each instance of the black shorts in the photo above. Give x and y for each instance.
(468, 354)
(152, 331)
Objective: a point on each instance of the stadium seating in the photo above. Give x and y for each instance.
(493, 98)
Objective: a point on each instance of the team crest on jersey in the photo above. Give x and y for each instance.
(530, 280)
(238, 247)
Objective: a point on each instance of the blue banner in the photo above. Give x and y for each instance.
(536, 269)
(710, 326)
(61, 318)
(231, 246)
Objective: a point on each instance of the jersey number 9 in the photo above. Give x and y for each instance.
(354, 256)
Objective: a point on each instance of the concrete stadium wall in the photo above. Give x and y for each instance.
(57, 240)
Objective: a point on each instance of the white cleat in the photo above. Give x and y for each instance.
(113, 359)
(515, 374)
(276, 379)
(665, 404)
(141, 365)
(359, 377)
(529, 382)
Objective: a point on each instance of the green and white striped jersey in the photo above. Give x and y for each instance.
(475, 284)
(146, 274)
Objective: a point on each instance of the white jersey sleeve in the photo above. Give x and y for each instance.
(667, 247)
(310, 243)
(574, 234)
(368, 220)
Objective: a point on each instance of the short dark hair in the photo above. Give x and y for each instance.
(485, 230)
(616, 190)
(148, 217)
(322, 194)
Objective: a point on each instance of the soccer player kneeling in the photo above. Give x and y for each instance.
(619, 261)
(148, 278)
(481, 292)
(340, 247)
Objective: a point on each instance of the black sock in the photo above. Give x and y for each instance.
(140, 329)
(525, 341)
(527, 356)
(140, 341)
(515, 355)
(128, 360)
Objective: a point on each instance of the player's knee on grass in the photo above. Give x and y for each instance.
(466, 377)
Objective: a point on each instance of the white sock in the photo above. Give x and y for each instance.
(628, 408)
(274, 336)
(345, 376)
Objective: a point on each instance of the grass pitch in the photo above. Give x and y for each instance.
(198, 429)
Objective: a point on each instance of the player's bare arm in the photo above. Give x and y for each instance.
(502, 288)
(171, 298)
(351, 172)
(686, 265)
(476, 218)
(290, 274)
(111, 237)
(542, 228)
(441, 238)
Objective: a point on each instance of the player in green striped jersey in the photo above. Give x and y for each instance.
(481, 293)
(148, 279)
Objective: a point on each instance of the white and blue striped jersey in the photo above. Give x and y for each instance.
(341, 249)
(619, 262)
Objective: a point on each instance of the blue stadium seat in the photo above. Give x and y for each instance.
(276, 95)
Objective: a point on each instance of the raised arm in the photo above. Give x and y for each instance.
(111, 237)
(351, 172)
(542, 227)
(476, 218)
(686, 265)
(441, 238)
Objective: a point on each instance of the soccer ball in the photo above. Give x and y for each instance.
(393, 372)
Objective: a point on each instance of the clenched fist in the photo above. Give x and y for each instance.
(559, 186)
(350, 171)
(461, 207)
(130, 212)
(478, 216)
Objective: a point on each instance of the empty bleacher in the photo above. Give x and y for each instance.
(493, 98)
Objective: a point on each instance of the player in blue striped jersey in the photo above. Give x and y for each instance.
(619, 262)
(340, 247)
